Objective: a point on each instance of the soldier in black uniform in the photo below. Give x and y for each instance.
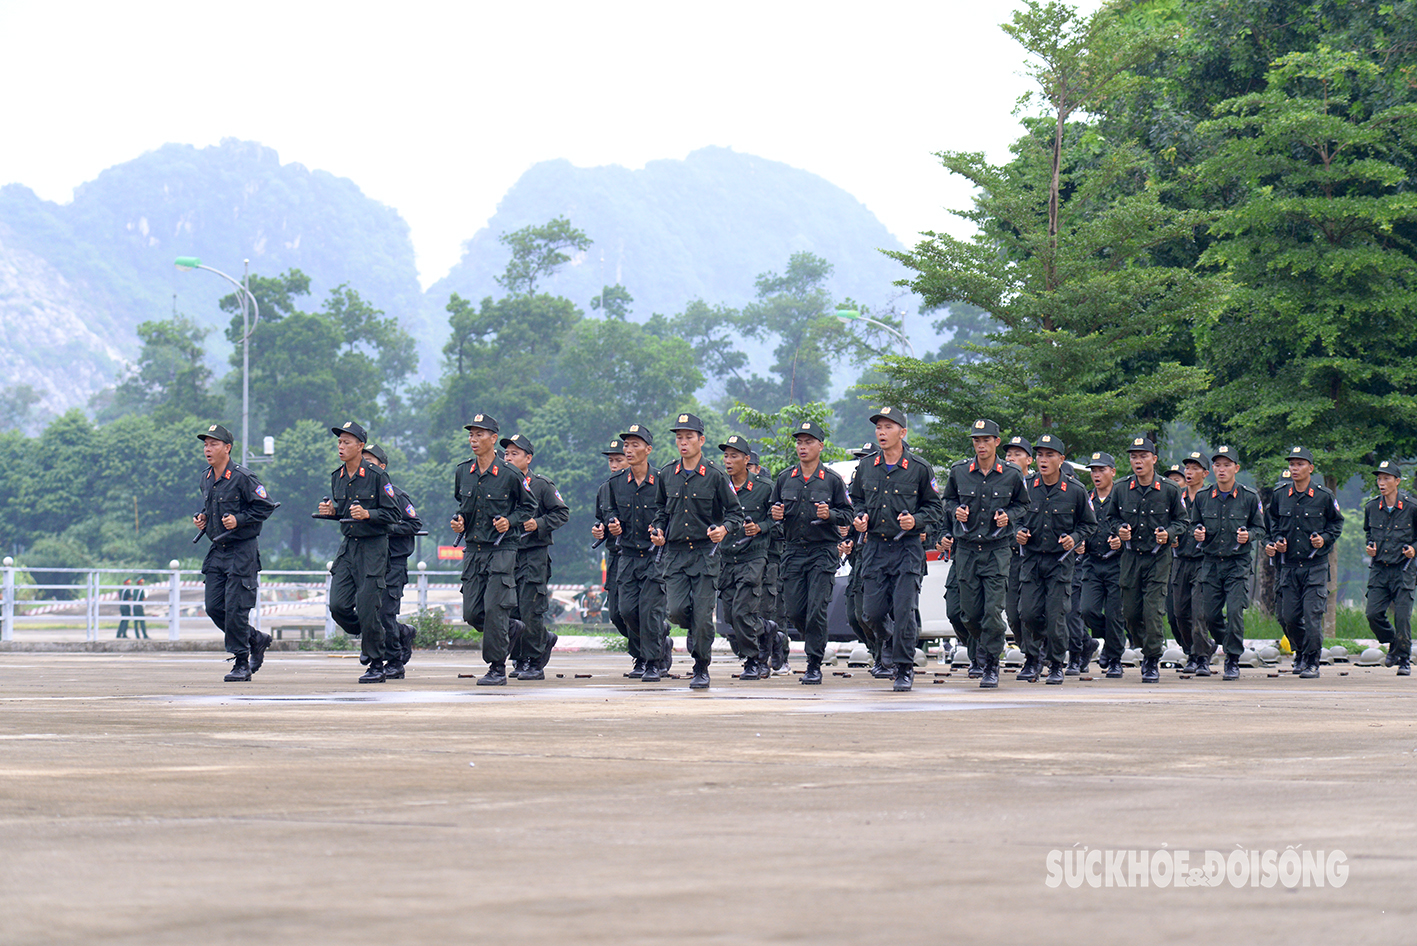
(234, 505)
(1019, 452)
(1305, 522)
(1147, 516)
(398, 638)
(1101, 585)
(362, 497)
(1390, 540)
(896, 502)
(984, 500)
(775, 639)
(850, 549)
(1059, 517)
(491, 495)
(1228, 522)
(697, 510)
(1187, 601)
(615, 457)
(632, 510)
(531, 643)
(740, 577)
(811, 502)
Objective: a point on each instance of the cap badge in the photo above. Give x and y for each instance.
(683, 418)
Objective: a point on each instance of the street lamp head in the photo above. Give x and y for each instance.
(188, 262)
(846, 315)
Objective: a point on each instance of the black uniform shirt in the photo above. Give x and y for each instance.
(1053, 512)
(1224, 515)
(755, 496)
(635, 505)
(371, 489)
(238, 493)
(401, 537)
(551, 511)
(1296, 515)
(1097, 547)
(691, 499)
(800, 523)
(1186, 545)
(984, 492)
(1146, 509)
(883, 492)
(1390, 528)
(498, 492)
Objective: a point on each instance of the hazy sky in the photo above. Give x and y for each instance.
(437, 108)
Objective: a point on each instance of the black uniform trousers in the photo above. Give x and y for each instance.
(1225, 583)
(1144, 578)
(533, 579)
(954, 609)
(891, 594)
(1188, 600)
(1077, 632)
(771, 609)
(855, 599)
(641, 603)
(983, 579)
(230, 572)
(740, 591)
(489, 592)
(1045, 597)
(1102, 606)
(1302, 605)
(689, 596)
(1390, 586)
(357, 590)
(612, 601)
(389, 618)
(1011, 597)
(808, 574)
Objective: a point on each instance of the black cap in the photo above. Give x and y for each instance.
(1141, 444)
(641, 431)
(377, 452)
(1052, 443)
(754, 459)
(353, 429)
(520, 441)
(216, 432)
(865, 450)
(1101, 459)
(983, 428)
(741, 444)
(1198, 458)
(483, 422)
(892, 414)
(1230, 453)
(1020, 442)
(1389, 467)
(1300, 453)
(616, 449)
(687, 422)
(810, 429)
(1175, 469)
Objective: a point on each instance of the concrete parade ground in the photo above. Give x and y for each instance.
(145, 801)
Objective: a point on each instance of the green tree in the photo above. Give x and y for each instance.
(64, 473)
(615, 300)
(171, 378)
(17, 406)
(537, 252)
(297, 479)
(777, 429)
(1092, 340)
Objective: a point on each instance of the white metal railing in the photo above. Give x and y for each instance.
(91, 600)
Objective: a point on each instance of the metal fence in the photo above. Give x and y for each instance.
(295, 603)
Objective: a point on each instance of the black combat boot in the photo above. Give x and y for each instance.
(813, 675)
(393, 671)
(259, 643)
(406, 636)
(1151, 670)
(241, 670)
(375, 673)
(904, 677)
(536, 669)
(1404, 666)
(976, 664)
(1074, 665)
(1055, 673)
(638, 670)
(1191, 663)
(1232, 668)
(700, 680)
(989, 677)
(1114, 669)
(496, 676)
(750, 669)
(1028, 673)
(1089, 652)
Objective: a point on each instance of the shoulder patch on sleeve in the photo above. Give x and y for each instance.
(410, 512)
(260, 491)
(389, 488)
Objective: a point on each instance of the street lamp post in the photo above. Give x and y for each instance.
(852, 315)
(243, 293)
